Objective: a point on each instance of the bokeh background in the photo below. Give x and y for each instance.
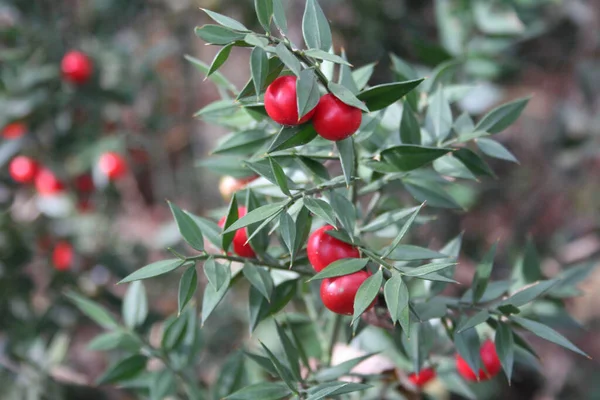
(142, 102)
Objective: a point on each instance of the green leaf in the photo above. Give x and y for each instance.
(431, 192)
(473, 162)
(344, 209)
(216, 273)
(327, 56)
(275, 67)
(174, 333)
(290, 351)
(114, 340)
(282, 371)
(428, 268)
(219, 59)
(529, 293)
(346, 78)
(494, 149)
(449, 165)
(403, 69)
(93, 310)
(292, 136)
(123, 370)
(307, 92)
(187, 287)
(257, 215)
(154, 269)
(231, 376)
(315, 27)
(468, 346)
(321, 209)
(259, 308)
(345, 266)
(386, 219)
(212, 297)
(505, 347)
(545, 332)
(381, 96)
(347, 157)
(288, 58)
(163, 385)
(263, 168)
(260, 278)
(397, 298)
(410, 131)
(262, 391)
(135, 305)
(225, 20)
(362, 75)
(502, 117)
(232, 217)
(215, 34)
(402, 232)
(216, 77)
(346, 96)
(313, 167)
(456, 384)
(366, 294)
(263, 362)
(439, 116)
(187, 227)
(330, 389)
(264, 12)
(280, 176)
(482, 274)
(245, 142)
(279, 16)
(339, 370)
(408, 157)
(256, 41)
(407, 252)
(259, 68)
(287, 228)
(464, 124)
(473, 321)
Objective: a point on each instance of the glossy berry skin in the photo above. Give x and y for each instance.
(338, 293)
(112, 165)
(14, 130)
(23, 169)
(423, 377)
(281, 103)
(47, 183)
(241, 236)
(335, 120)
(76, 67)
(323, 249)
(490, 361)
(62, 256)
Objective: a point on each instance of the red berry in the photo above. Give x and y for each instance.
(84, 183)
(112, 165)
(423, 377)
(335, 120)
(281, 103)
(338, 293)
(47, 183)
(62, 256)
(323, 249)
(490, 360)
(23, 169)
(241, 236)
(14, 130)
(76, 67)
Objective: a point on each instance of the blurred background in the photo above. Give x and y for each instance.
(140, 103)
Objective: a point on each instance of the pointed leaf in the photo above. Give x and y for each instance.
(93, 310)
(329, 389)
(402, 232)
(327, 56)
(259, 278)
(407, 252)
(123, 370)
(154, 269)
(264, 12)
(187, 227)
(288, 58)
(263, 391)
(291, 353)
(225, 20)
(232, 217)
(187, 287)
(381, 96)
(494, 149)
(545, 332)
(345, 211)
(410, 131)
(347, 157)
(257, 215)
(282, 371)
(280, 176)
(215, 34)
(279, 16)
(321, 209)
(529, 293)
(362, 75)
(346, 96)
(505, 347)
(259, 67)
(208, 228)
(135, 305)
(502, 117)
(212, 297)
(472, 161)
(219, 59)
(439, 116)
(366, 294)
(397, 297)
(408, 157)
(345, 266)
(346, 78)
(482, 274)
(431, 192)
(315, 27)
(293, 136)
(287, 228)
(339, 370)
(217, 274)
(468, 346)
(428, 268)
(473, 321)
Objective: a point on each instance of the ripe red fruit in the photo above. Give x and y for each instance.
(47, 183)
(84, 183)
(490, 360)
(23, 169)
(112, 165)
(14, 130)
(423, 377)
(334, 119)
(338, 293)
(62, 256)
(281, 103)
(241, 236)
(323, 249)
(76, 67)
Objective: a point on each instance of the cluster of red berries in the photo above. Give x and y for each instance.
(331, 118)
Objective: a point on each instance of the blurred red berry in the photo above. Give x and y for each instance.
(489, 358)
(47, 183)
(23, 169)
(14, 130)
(84, 183)
(112, 165)
(62, 256)
(423, 377)
(76, 67)
(240, 247)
